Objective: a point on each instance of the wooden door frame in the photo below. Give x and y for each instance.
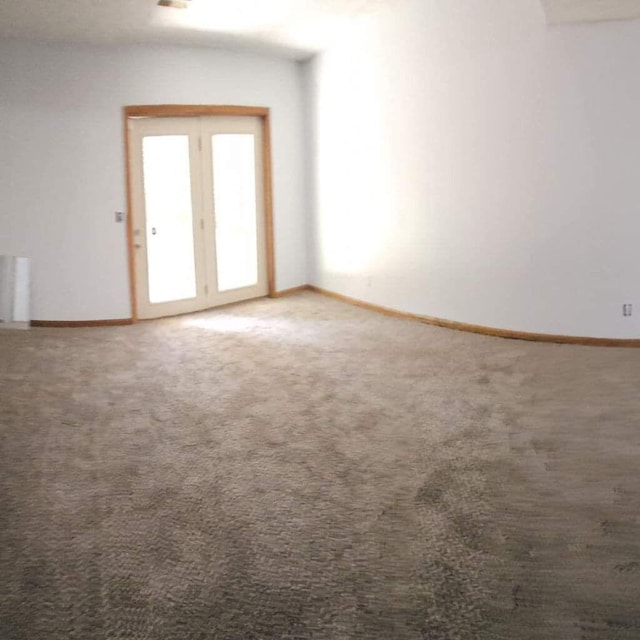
(189, 111)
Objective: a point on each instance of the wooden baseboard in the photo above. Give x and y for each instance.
(69, 324)
(290, 292)
(438, 322)
(487, 331)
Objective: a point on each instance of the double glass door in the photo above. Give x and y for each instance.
(198, 212)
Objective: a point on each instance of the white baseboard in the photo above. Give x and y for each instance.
(14, 325)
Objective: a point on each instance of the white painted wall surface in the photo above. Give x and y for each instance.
(62, 159)
(472, 164)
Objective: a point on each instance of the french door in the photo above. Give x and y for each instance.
(198, 212)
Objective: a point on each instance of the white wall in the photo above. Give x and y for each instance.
(472, 164)
(62, 159)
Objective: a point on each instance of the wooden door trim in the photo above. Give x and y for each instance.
(190, 111)
(133, 287)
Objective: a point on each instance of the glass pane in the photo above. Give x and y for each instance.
(167, 193)
(234, 195)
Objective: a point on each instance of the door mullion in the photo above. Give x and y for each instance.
(208, 210)
(196, 186)
(201, 214)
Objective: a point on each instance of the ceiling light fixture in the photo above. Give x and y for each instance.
(244, 17)
(174, 4)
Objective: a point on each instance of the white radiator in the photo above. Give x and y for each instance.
(14, 292)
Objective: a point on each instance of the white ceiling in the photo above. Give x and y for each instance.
(290, 28)
(559, 11)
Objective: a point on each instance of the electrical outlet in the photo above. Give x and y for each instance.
(627, 310)
(119, 216)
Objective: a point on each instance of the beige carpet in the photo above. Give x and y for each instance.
(302, 469)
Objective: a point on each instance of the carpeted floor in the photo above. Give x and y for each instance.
(302, 469)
